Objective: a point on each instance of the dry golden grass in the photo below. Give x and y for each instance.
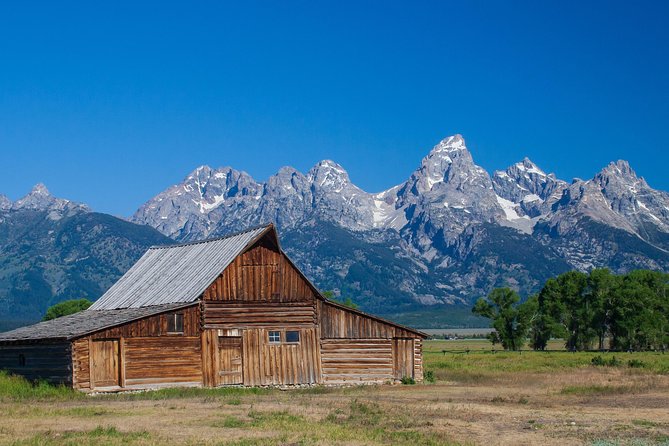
(501, 399)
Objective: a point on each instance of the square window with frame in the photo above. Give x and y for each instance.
(274, 337)
(293, 337)
(175, 323)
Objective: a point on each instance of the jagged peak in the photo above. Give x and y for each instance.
(452, 143)
(619, 168)
(5, 202)
(39, 189)
(528, 166)
(328, 164)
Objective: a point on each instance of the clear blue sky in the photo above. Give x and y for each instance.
(110, 104)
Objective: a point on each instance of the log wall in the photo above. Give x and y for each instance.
(148, 353)
(49, 362)
(350, 361)
(218, 314)
(418, 359)
(163, 360)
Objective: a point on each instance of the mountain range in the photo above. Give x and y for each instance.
(420, 252)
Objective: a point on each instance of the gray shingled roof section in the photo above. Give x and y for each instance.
(83, 323)
(175, 273)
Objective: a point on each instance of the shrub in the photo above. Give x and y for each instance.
(636, 364)
(408, 380)
(428, 376)
(599, 361)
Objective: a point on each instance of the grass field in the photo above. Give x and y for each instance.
(480, 397)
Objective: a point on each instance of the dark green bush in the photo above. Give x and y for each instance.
(408, 380)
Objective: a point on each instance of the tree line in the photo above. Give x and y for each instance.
(631, 311)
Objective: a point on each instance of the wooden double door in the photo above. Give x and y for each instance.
(230, 364)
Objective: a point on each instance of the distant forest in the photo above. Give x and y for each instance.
(596, 310)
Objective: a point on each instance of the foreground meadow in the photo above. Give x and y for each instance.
(479, 397)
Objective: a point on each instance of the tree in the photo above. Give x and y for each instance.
(347, 302)
(510, 320)
(66, 307)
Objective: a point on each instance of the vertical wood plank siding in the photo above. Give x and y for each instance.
(260, 274)
(338, 322)
(50, 362)
(154, 326)
(280, 364)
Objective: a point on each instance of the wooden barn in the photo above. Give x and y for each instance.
(226, 311)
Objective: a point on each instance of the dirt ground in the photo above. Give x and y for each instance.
(582, 406)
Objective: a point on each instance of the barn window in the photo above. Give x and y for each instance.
(274, 337)
(22, 360)
(293, 336)
(175, 323)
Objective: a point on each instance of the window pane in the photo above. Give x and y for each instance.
(274, 336)
(175, 323)
(292, 336)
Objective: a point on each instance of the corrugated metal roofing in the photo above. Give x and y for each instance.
(176, 273)
(83, 323)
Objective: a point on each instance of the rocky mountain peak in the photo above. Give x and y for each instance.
(5, 203)
(40, 199)
(328, 175)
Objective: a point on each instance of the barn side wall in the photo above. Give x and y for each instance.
(50, 362)
(356, 348)
(148, 355)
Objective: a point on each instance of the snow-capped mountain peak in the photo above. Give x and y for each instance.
(40, 199)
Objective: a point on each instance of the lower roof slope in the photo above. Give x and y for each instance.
(85, 322)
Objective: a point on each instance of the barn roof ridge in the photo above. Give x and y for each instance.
(215, 239)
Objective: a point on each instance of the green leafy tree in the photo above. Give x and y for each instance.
(510, 320)
(347, 302)
(66, 307)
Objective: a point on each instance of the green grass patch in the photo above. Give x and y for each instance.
(100, 435)
(600, 390)
(16, 388)
(482, 365)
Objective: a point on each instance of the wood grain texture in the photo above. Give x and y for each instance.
(403, 358)
(261, 274)
(351, 361)
(154, 326)
(49, 362)
(418, 360)
(163, 360)
(337, 322)
(219, 314)
(266, 363)
(81, 378)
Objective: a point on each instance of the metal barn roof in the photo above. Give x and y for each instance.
(176, 273)
(83, 323)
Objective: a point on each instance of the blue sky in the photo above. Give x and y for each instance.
(110, 104)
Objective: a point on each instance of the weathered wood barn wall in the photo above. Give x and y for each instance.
(230, 311)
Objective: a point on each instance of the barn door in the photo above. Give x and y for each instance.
(105, 363)
(403, 358)
(230, 360)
